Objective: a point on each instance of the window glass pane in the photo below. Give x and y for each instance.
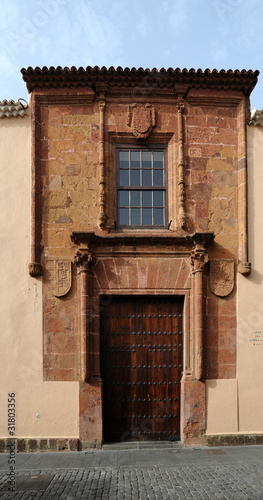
(147, 216)
(147, 177)
(124, 216)
(141, 206)
(147, 198)
(136, 216)
(158, 159)
(124, 159)
(158, 218)
(135, 178)
(146, 159)
(124, 177)
(158, 199)
(135, 159)
(158, 178)
(124, 198)
(135, 198)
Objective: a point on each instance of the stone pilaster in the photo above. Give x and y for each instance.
(83, 260)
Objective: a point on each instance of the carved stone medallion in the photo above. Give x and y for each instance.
(221, 277)
(141, 119)
(58, 276)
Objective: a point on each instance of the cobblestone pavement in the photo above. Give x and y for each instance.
(155, 474)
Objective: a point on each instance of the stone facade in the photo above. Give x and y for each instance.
(78, 118)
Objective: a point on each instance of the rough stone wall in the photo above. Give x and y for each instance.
(212, 177)
(70, 187)
(69, 194)
(212, 173)
(69, 152)
(70, 180)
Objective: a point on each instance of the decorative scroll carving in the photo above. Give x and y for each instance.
(141, 119)
(182, 220)
(221, 277)
(35, 270)
(102, 194)
(58, 276)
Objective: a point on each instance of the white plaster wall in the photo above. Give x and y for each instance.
(250, 297)
(21, 362)
(221, 405)
(236, 406)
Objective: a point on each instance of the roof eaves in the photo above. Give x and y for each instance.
(256, 117)
(12, 109)
(244, 80)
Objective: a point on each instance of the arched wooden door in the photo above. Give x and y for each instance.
(141, 366)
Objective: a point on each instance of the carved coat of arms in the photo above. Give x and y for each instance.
(58, 276)
(221, 277)
(141, 119)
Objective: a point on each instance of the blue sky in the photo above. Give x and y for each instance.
(188, 34)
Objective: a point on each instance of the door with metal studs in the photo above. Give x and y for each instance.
(141, 366)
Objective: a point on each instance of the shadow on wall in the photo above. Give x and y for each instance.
(255, 277)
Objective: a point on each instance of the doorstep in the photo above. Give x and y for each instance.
(142, 445)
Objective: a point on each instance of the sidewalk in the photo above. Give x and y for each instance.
(137, 473)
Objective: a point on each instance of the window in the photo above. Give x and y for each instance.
(141, 187)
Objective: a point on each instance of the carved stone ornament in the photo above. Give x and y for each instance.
(35, 270)
(244, 268)
(58, 276)
(199, 261)
(83, 259)
(141, 119)
(221, 277)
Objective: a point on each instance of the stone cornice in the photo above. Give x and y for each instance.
(219, 98)
(62, 96)
(155, 244)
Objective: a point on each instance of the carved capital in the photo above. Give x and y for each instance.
(199, 261)
(84, 259)
(180, 105)
(35, 270)
(199, 257)
(102, 105)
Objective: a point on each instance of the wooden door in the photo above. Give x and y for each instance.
(141, 365)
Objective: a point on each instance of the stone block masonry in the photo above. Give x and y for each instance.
(199, 121)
